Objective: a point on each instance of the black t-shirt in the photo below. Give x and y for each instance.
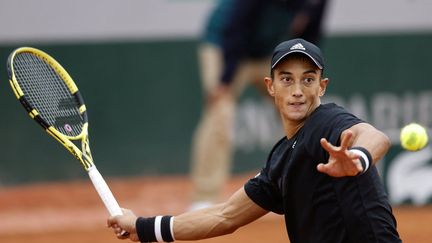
(318, 207)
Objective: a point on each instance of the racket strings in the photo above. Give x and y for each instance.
(46, 92)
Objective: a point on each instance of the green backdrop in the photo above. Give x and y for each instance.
(144, 101)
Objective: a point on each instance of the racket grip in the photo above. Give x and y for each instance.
(104, 192)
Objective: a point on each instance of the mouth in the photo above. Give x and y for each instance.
(296, 104)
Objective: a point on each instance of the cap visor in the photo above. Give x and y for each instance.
(298, 51)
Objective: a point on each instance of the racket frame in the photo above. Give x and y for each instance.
(84, 154)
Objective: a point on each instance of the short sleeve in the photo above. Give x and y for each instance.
(340, 123)
(328, 122)
(264, 193)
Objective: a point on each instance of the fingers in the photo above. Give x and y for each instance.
(322, 168)
(118, 231)
(127, 215)
(342, 162)
(121, 233)
(111, 221)
(327, 145)
(341, 168)
(346, 139)
(346, 142)
(124, 225)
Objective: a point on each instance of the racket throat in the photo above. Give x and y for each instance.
(87, 161)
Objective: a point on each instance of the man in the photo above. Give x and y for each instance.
(320, 175)
(235, 52)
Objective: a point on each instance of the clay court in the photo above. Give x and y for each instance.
(72, 212)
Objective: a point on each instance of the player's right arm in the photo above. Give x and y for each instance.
(220, 219)
(217, 220)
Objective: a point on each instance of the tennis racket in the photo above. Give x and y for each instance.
(52, 99)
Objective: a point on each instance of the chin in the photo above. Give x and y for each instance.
(295, 117)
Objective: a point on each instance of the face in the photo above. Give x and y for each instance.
(296, 87)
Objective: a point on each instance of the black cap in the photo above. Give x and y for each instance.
(297, 46)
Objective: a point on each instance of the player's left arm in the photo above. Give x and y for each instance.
(361, 146)
(372, 139)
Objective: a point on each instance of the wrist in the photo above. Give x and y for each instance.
(155, 229)
(365, 157)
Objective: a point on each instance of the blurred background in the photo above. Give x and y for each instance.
(135, 63)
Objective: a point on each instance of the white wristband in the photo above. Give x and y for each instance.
(363, 159)
(172, 228)
(157, 228)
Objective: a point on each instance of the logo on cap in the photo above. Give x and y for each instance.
(297, 46)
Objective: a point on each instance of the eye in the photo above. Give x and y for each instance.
(286, 80)
(308, 81)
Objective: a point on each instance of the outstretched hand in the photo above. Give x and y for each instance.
(342, 162)
(125, 222)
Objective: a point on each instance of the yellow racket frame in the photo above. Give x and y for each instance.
(83, 154)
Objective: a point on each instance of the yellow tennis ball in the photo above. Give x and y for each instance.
(413, 137)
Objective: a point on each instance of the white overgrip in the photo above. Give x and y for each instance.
(104, 192)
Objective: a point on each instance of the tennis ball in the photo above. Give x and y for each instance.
(413, 137)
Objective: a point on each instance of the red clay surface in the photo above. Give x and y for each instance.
(72, 212)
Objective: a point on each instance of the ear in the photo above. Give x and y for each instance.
(269, 84)
(323, 85)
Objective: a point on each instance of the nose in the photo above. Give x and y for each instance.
(297, 90)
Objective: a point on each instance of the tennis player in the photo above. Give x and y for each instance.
(321, 175)
(234, 53)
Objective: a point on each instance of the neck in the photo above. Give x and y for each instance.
(291, 128)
